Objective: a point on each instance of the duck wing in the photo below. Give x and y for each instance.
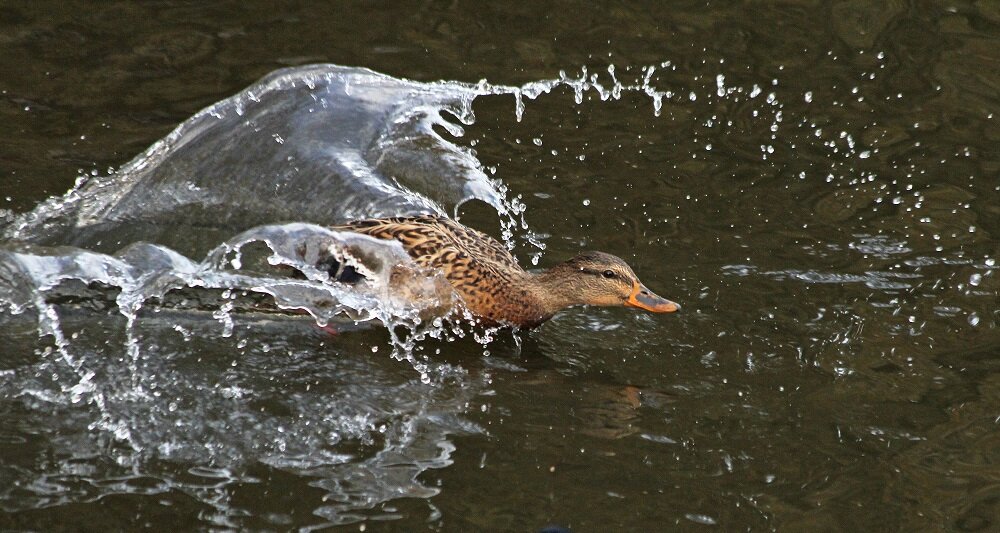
(481, 270)
(437, 241)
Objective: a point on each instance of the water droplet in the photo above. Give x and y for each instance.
(701, 519)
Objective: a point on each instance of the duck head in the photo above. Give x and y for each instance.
(597, 278)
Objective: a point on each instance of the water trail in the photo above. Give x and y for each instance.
(158, 411)
(27, 275)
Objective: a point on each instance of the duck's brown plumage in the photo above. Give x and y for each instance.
(494, 287)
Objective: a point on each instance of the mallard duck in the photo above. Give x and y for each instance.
(495, 289)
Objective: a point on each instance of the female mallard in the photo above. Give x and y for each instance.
(495, 288)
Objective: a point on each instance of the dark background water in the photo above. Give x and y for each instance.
(836, 364)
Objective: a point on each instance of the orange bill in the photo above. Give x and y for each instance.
(644, 298)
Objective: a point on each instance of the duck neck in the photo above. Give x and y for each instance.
(552, 290)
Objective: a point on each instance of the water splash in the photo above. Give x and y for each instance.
(354, 144)
(152, 408)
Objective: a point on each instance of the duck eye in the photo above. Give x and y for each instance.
(609, 274)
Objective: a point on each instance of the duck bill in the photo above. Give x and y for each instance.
(644, 298)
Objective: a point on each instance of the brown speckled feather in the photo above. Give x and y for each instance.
(481, 270)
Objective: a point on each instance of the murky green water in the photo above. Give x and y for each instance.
(820, 192)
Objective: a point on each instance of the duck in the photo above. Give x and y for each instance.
(491, 284)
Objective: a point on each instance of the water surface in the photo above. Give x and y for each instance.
(816, 185)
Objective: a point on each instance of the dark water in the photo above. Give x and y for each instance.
(826, 211)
